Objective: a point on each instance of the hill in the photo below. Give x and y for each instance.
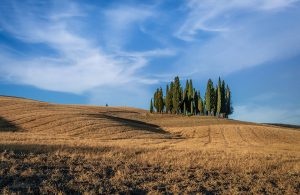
(74, 148)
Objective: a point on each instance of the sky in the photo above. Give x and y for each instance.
(119, 52)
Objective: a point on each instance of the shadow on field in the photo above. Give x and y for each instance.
(7, 126)
(43, 148)
(38, 168)
(132, 123)
(123, 111)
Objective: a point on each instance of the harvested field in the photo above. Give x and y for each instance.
(52, 148)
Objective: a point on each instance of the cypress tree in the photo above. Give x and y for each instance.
(187, 86)
(160, 101)
(186, 96)
(167, 100)
(191, 95)
(209, 96)
(214, 99)
(204, 107)
(229, 109)
(219, 96)
(176, 96)
(223, 104)
(226, 101)
(156, 100)
(196, 97)
(200, 105)
(151, 106)
(180, 100)
(190, 90)
(192, 107)
(171, 96)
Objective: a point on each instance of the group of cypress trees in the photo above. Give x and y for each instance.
(188, 101)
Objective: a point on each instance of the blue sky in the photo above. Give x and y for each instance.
(118, 52)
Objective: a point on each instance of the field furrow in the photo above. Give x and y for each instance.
(107, 146)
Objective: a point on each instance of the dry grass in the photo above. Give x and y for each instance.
(48, 148)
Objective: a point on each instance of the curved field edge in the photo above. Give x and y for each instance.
(51, 148)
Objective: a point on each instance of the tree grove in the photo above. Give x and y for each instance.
(188, 101)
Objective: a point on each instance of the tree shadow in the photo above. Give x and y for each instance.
(7, 126)
(139, 125)
(20, 148)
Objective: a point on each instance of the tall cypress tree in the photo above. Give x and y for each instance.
(180, 100)
(160, 101)
(171, 96)
(196, 97)
(204, 106)
(215, 99)
(151, 106)
(167, 100)
(191, 95)
(200, 105)
(187, 86)
(176, 95)
(209, 96)
(190, 90)
(192, 108)
(186, 96)
(223, 105)
(156, 100)
(219, 96)
(229, 109)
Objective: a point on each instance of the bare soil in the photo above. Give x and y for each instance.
(51, 148)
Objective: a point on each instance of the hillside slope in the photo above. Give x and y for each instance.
(50, 121)
(51, 148)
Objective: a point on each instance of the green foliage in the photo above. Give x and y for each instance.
(176, 99)
(160, 101)
(151, 106)
(215, 99)
(171, 96)
(209, 95)
(156, 99)
(219, 97)
(200, 105)
(167, 100)
(190, 91)
(185, 97)
(223, 101)
(188, 101)
(192, 108)
(229, 109)
(196, 98)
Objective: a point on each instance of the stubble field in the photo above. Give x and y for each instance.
(51, 148)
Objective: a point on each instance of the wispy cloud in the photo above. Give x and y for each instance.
(115, 52)
(250, 33)
(119, 22)
(79, 64)
(214, 15)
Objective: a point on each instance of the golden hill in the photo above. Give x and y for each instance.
(144, 152)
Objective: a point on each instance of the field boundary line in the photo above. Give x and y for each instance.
(209, 136)
(223, 135)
